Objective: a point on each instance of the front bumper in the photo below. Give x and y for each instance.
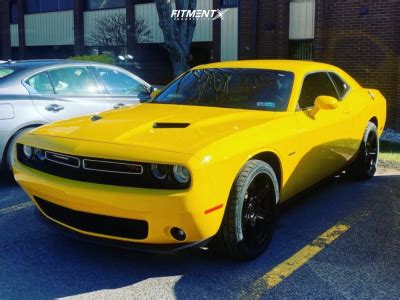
(142, 247)
(161, 209)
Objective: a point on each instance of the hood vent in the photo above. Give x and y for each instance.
(170, 125)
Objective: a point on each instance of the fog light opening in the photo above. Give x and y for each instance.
(178, 234)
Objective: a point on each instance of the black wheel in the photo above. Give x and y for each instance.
(251, 213)
(9, 153)
(364, 167)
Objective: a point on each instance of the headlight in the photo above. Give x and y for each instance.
(27, 151)
(39, 154)
(181, 174)
(159, 171)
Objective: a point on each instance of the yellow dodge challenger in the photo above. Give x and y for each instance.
(207, 160)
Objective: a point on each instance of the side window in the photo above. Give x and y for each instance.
(118, 83)
(74, 81)
(314, 85)
(41, 83)
(341, 86)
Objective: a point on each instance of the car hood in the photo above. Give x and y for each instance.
(177, 128)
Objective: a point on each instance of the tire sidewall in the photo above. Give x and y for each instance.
(261, 168)
(370, 128)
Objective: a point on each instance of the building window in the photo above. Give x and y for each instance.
(229, 3)
(13, 12)
(301, 50)
(41, 6)
(103, 4)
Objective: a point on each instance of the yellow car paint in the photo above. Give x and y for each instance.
(214, 148)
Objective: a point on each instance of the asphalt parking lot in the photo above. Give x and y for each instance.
(362, 261)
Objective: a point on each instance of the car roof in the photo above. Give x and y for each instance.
(26, 64)
(27, 67)
(33, 63)
(294, 66)
(298, 67)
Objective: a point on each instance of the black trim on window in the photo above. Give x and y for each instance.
(229, 3)
(44, 6)
(13, 12)
(343, 94)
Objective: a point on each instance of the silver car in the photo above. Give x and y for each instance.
(35, 92)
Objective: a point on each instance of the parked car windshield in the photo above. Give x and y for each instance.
(231, 88)
(5, 72)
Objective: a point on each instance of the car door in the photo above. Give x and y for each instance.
(350, 108)
(325, 137)
(123, 89)
(65, 92)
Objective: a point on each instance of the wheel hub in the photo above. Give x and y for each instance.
(371, 150)
(257, 213)
(251, 213)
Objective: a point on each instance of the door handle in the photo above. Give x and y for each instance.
(54, 107)
(118, 105)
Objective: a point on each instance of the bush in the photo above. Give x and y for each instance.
(105, 59)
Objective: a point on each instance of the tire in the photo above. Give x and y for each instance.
(364, 167)
(251, 213)
(9, 153)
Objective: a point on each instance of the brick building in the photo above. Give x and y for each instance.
(361, 36)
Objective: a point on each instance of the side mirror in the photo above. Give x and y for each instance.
(323, 103)
(144, 97)
(154, 93)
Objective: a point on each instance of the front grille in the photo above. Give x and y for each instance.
(112, 167)
(98, 170)
(65, 160)
(112, 226)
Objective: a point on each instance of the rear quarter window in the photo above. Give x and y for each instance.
(341, 86)
(41, 83)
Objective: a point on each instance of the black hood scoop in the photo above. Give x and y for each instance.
(170, 125)
(95, 118)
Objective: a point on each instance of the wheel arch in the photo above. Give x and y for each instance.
(274, 161)
(268, 156)
(5, 150)
(374, 120)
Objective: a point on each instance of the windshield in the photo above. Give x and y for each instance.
(231, 88)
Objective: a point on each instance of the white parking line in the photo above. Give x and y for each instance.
(13, 208)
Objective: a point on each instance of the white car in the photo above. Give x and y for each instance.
(35, 92)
